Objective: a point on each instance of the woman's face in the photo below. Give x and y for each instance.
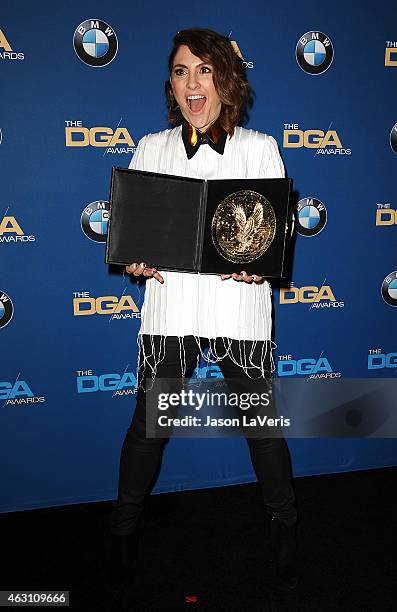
(194, 89)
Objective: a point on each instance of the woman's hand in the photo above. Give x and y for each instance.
(139, 269)
(243, 276)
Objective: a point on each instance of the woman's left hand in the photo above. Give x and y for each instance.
(243, 276)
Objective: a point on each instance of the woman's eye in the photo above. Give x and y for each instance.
(179, 72)
(206, 69)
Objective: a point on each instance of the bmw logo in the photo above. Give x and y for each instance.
(311, 217)
(389, 289)
(95, 42)
(314, 52)
(94, 220)
(393, 138)
(6, 309)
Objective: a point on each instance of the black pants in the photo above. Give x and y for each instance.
(141, 456)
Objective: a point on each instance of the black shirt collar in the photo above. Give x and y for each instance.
(192, 138)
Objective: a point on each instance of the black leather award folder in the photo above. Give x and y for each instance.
(193, 225)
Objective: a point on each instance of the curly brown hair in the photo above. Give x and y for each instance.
(229, 76)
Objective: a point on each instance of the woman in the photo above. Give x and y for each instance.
(207, 96)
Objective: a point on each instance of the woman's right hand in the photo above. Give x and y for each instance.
(139, 269)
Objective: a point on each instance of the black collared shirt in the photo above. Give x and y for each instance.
(192, 138)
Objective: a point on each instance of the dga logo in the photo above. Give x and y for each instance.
(326, 143)
(389, 289)
(236, 49)
(385, 215)
(391, 53)
(312, 368)
(314, 52)
(18, 392)
(378, 360)
(11, 231)
(95, 43)
(393, 138)
(311, 216)
(120, 384)
(76, 135)
(6, 309)
(318, 297)
(6, 53)
(94, 220)
(208, 371)
(119, 308)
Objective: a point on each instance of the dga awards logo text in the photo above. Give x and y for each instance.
(380, 360)
(391, 53)
(115, 141)
(317, 297)
(120, 384)
(18, 392)
(246, 64)
(311, 367)
(326, 142)
(6, 51)
(122, 307)
(12, 232)
(385, 215)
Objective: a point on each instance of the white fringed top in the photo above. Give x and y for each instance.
(203, 305)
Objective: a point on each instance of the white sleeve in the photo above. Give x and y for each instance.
(138, 160)
(272, 164)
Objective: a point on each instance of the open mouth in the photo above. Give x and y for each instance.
(196, 103)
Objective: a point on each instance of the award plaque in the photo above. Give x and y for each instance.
(193, 225)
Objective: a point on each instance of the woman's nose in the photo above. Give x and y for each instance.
(192, 80)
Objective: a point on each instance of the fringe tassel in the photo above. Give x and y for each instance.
(148, 363)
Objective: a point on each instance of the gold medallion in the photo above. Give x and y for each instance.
(243, 226)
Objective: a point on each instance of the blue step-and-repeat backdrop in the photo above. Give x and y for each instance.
(81, 83)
